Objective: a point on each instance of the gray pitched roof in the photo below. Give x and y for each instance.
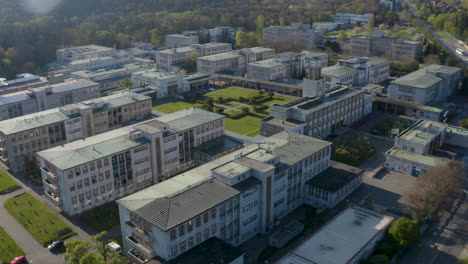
(167, 212)
(338, 71)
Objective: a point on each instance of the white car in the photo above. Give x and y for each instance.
(211, 89)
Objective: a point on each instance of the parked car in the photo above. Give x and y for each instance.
(211, 89)
(179, 97)
(56, 245)
(204, 91)
(20, 260)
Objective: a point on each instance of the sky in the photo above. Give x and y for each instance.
(40, 7)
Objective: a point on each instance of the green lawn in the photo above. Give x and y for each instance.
(9, 249)
(248, 125)
(175, 106)
(102, 218)
(7, 184)
(41, 222)
(232, 112)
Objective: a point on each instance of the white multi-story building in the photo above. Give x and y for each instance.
(23, 136)
(356, 71)
(68, 55)
(180, 40)
(47, 97)
(22, 82)
(212, 48)
(223, 62)
(220, 34)
(303, 34)
(81, 175)
(317, 116)
(352, 18)
(232, 198)
(166, 83)
(110, 79)
(167, 59)
(234, 61)
(432, 83)
(376, 70)
(268, 70)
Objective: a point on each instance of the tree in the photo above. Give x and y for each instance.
(342, 36)
(219, 110)
(436, 187)
(126, 83)
(76, 249)
(405, 231)
(219, 100)
(464, 123)
(30, 164)
(245, 109)
(378, 259)
(91, 258)
(190, 64)
(260, 25)
(92, 251)
(156, 39)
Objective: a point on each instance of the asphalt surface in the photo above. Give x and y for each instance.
(450, 45)
(443, 242)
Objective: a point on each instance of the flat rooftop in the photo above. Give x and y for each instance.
(340, 239)
(415, 157)
(338, 71)
(423, 79)
(218, 145)
(125, 68)
(220, 56)
(270, 63)
(176, 50)
(422, 131)
(86, 48)
(154, 74)
(89, 60)
(335, 177)
(332, 96)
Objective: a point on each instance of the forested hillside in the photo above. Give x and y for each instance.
(28, 40)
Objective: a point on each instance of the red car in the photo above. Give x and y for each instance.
(20, 260)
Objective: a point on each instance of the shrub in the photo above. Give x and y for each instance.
(219, 110)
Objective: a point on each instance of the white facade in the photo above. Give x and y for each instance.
(432, 83)
(268, 70)
(247, 193)
(306, 35)
(67, 55)
(212, 48)
(84, 174)
(352, 18)
(180, 40)
(317, 117)
(223, 62)
(47, 97)
(166, 59)
(168, 84)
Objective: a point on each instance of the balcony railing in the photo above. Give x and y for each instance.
(147, 251)
(49, 173)
(53, 197)
(50, 184)
(137, 229)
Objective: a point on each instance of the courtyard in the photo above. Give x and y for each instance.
(243, 108)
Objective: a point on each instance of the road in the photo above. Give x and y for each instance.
(442, 242)
(450, 45)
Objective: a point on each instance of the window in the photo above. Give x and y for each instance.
(189, 226)
(206, 217)
(206, 233)
(190, 242)
(198, 221)
(181, 230)
(199, 237)
(213, 213)
(74, 200)
(182, 246)
(214, 229)
(173, 234)
(174, 250)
